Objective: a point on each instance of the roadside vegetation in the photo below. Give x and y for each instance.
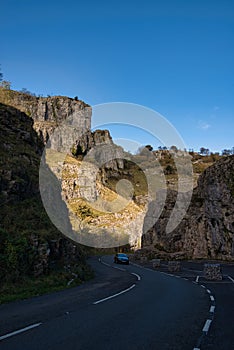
(30, 286)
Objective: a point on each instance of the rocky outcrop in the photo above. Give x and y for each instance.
(47, 254)
(66, 124)
(63, 124)
(20, 151)
(207, 230)
(48, 113)
(28, 238)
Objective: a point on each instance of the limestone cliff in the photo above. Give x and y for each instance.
(48, 113)
(63, 124)
(30, 244)
(87, 168)
(207, 230)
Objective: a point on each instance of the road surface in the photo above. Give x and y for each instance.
(124, 307)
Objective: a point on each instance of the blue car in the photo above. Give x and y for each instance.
(121, 258)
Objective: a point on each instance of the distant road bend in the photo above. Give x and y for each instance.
(126, 307)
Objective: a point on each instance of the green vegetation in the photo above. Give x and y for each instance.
(28, 287)
(132, 172)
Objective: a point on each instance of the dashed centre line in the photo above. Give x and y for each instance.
(20, 331)
(207, 326)
(117, 268)
(212, 309)
(135, 274)
(114, 295)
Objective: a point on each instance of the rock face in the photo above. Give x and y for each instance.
(63, 125)
(47, 254)
(207, 230)
(20, 151)
(48, 113)
(28, 238)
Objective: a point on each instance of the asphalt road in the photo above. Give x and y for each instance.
(152, 311)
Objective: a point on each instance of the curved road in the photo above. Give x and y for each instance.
(147, 310)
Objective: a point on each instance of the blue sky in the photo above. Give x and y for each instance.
(175, 57)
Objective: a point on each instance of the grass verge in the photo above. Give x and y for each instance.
(28, 287)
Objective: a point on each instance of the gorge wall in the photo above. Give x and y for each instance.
(66, 123)
(207, 230)
(27, 123)
(30, 243)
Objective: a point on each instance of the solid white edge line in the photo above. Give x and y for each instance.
(20, 331)
(231, 279)
(207, 326)
(211, 298)
(135, 274)
(118, 268)
(114, 295)
(212, 308)
(197, 279)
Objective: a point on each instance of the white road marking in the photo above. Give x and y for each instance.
(197, 279)
(118, 268)
(109, 265)
(208, 291)
(207, 326)
(231, 279)
(164, 273)
(137, 265)
(135, 274)
(202, 286)
(147, 268)
(20, 331)
(186, 279)
(196, 349)
(114, 295)
(211, 298)
(212, 308)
